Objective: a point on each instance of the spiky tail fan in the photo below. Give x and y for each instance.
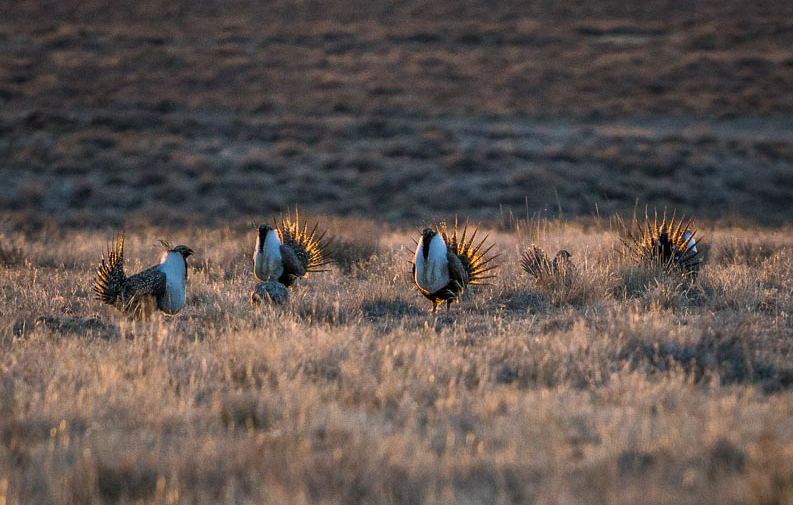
(110, 277)
(670, 242)
(312, 248)
(535, 261)
(475, 260)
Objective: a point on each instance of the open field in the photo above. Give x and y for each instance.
(191, 121)
(631, 387)
(175, 113)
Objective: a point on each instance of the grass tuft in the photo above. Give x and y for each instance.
(618, 378)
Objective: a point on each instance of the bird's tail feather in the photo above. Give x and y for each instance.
(110, 277)
(535, 261)
(311, 246)
(475, 260)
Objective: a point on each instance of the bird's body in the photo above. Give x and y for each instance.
(432, 272)
(267, 258)
(562, 262)
(536, 262)
(438, 273)
(443, 266)
(159, 287)
(272, 292)
(174, 267)
(285, 253)
(669, 243)
(560, 271)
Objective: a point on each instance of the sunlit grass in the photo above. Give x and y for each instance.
(622, 384)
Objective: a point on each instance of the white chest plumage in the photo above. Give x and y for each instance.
(174, 268)
(267, 262)
(432, 273)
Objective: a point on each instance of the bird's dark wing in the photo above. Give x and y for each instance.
(292, 264)
(457, 271)
(150, 282)
(141, 292)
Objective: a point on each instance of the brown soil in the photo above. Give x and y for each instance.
(175, 113)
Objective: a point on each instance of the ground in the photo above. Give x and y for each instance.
(630, 386)
(546, 121)
(177, 114)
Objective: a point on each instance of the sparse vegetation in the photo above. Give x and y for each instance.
(353, 242)
(174, 113)
(561, 281)
(746, 251)
(10, 253)
(197, 121)
(642, 391)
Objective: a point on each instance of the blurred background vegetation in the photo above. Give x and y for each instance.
(179, 112)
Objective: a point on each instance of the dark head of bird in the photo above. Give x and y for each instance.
(563, 255)
(263, 231)
(183, 250)
(426, 237)
(561, 262)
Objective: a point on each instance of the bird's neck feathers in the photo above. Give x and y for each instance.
(432, 272)
(437, 249)
(271, 245)
(173, 265)
(267, 262)
(261, 236)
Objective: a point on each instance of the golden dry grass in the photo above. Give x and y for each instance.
(649, 389)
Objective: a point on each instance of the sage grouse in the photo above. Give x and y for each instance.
(285, 252)
(272, 292)
(445, 264)
(159, 287)
(669, 243)
(536, 262)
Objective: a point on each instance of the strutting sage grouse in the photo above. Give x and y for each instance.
(536, 262)
(669, 243)
(285, 252)
(159, 287)
(445, 264)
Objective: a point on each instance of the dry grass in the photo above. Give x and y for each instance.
(630, 387)
(619, 384)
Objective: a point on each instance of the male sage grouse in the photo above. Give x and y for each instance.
(536, 262)
(159, 287)
(669, 244)
(446, 264)
(285, 252)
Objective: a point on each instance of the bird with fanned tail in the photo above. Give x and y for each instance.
(536, 262)
(285, 251)
(669, 243)
(445, 264)
(139, 296)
